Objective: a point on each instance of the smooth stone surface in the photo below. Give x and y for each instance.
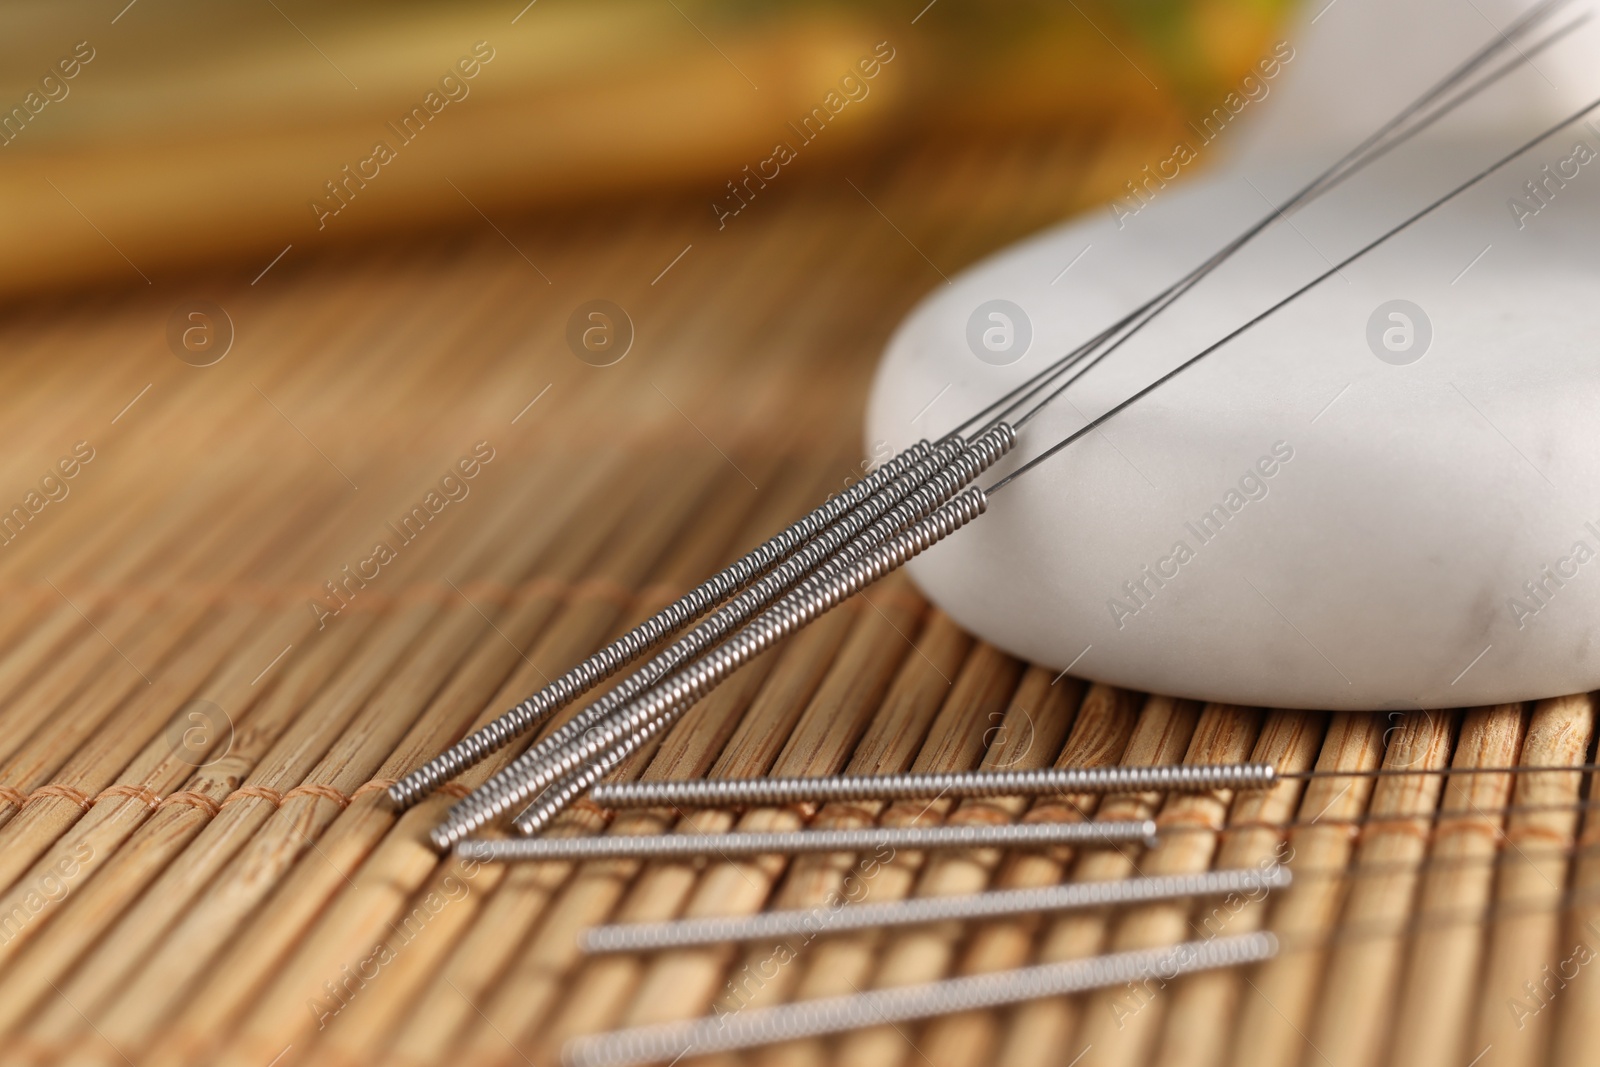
(1382, 562)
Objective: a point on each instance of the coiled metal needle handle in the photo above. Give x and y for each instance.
(746, 792)
(845, 542)
(522, 778)
(664, 1042)
(823, 919)
(859, 839)
(654, 711)
(473, 748)
(584, 763)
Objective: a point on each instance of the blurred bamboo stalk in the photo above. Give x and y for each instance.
(196, 135)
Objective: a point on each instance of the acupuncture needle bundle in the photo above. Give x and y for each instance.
(911, 502)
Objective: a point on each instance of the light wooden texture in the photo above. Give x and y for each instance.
(228, 914)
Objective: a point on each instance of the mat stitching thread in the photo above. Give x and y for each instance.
(191, 798)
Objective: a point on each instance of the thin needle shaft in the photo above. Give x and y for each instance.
(1351, 163)
(1116, 409)
(1359, 157)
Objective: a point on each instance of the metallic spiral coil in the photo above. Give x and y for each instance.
(653, 712)
(584, 738)
(724, 619)
(587, 761)
(664, 1042)
(550, 760)
(626, 731)
(841, 918)
(789, 843)
(521, 778)
(655, 709)
(669, 620)
(747, 792)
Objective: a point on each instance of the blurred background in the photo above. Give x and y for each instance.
(279, 278)
(199, 136)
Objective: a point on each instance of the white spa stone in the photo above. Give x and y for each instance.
(1382, 534)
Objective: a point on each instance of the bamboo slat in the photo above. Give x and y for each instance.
(1192, 1034)
(1100, 732)
(1540, 831)
(1431, 1023)
(1121, 1025)
(1161, 735)
(1357, 997)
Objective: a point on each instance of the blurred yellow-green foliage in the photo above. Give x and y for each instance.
(205, 133)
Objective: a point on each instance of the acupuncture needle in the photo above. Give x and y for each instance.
(1210, 349)
(823, 789)
(836, 916)
(949, 518)
(1353, 160)
(1347, 166)
(495, 792)
(1357, 158)
(477, 746)
(635, 722)
(663, 1042)
(920, 911)
(752, 1026)
(474, 748)
(772, 792)
(794, 842)
(544, 810)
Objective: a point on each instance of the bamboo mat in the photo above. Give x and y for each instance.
(230, 889)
